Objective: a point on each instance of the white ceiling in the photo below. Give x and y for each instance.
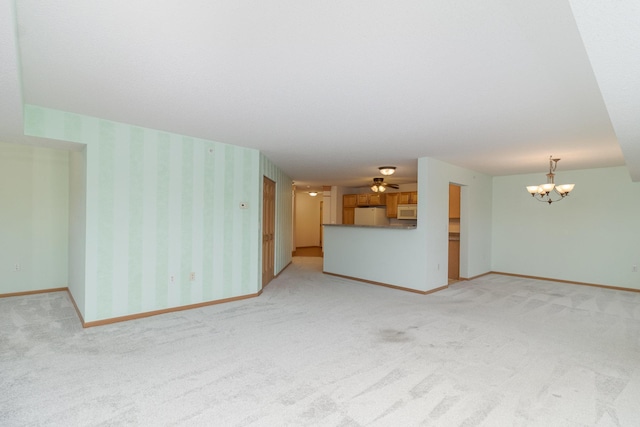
(330, 90)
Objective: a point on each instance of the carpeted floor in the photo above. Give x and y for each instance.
(317, 350)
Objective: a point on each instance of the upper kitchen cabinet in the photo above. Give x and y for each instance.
(377, 199)
(371, 199)
(352, 201)
(454, 201)
(349, 201)
(408, 198)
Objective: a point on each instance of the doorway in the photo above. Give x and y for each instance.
(268, 230)
(308, 225)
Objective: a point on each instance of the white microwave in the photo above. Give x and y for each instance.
(407, 211)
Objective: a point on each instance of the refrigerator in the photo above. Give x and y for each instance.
(371, 216)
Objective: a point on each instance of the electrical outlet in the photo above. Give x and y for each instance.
(192, 276)
(17, 267)
(172, 279)
(634, 268)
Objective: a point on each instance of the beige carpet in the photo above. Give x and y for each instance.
(319, 350)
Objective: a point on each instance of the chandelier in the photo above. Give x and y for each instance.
(544, 192)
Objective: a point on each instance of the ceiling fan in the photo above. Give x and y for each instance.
(380, 186)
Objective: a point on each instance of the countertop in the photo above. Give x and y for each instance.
(393, 227)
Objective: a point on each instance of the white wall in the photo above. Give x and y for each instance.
(34, 216)
(593, 236)
(475, 220)
(307, 220)
(338, 192)
(328, 207)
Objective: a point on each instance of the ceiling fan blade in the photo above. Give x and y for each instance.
(393, 186)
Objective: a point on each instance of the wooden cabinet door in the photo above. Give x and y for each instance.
(392, 205)
(349, 201)
(454, 259)
(408, 198)
(454, 201)
(348, 215)
(413, 198)
(363, 199)
(377, 199)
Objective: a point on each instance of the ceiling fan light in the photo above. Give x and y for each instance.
(381, 188)
(374, 188)
(387, 170)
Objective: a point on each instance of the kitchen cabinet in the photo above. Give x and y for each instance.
(362, 199)
(348, 215)
(390, 200)
(349, 201)
(392, 205)
(408, 198)
(377, 199)
(369, 199)
(454, 201)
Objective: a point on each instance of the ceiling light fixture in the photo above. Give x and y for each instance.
(543, 192)
(313, 193)
(387, 170)
(377, 186)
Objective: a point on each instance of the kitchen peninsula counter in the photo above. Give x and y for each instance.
(395, 227)
(379, 254)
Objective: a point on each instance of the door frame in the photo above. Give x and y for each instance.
(268, 230)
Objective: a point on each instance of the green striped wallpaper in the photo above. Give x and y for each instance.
(164, 226)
